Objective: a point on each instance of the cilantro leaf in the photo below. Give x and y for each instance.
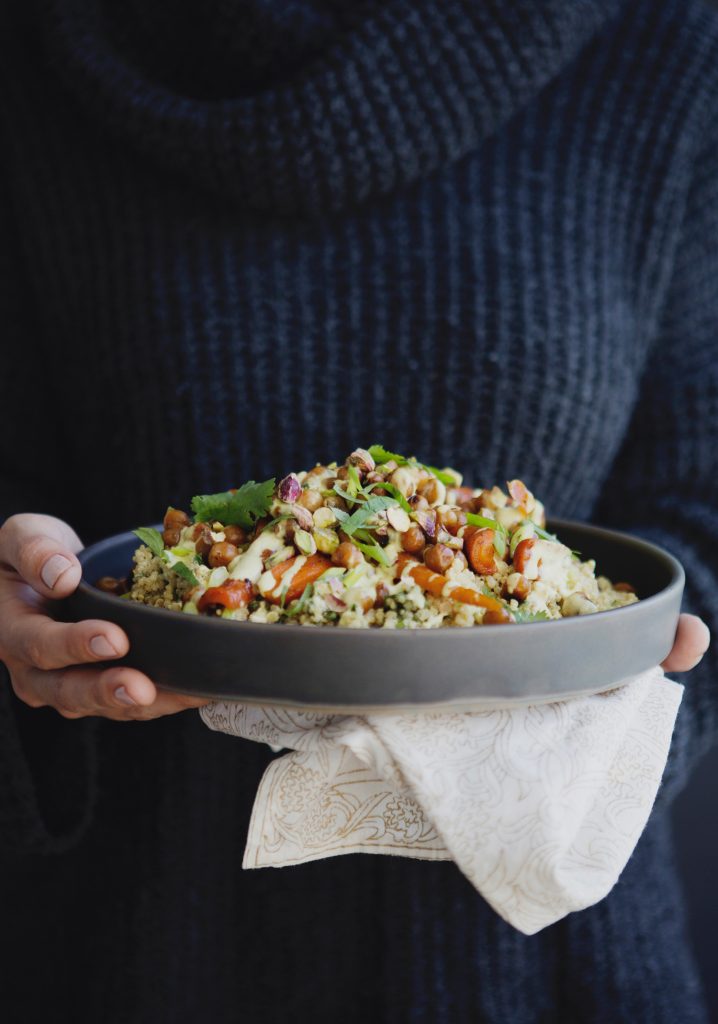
(152, 538)
(239, 508)
(182, 570)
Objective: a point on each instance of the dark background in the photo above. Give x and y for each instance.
(695, 820)
(696, 830)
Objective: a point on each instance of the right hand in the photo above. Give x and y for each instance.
(51, 663)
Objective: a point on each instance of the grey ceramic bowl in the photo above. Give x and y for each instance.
(360, 669)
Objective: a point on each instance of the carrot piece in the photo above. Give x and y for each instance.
(479, 549)
(434, 583)
(230, 594)
(312, 569)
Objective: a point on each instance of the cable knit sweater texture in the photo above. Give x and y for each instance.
(238, 242)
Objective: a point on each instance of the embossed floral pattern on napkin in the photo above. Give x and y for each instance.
(539, 806)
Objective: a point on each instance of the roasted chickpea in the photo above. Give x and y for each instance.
(516, 586)
(438, 558)
(418, 502)
(171, 537)
(433, 490)
(452, 519)
(175, 519)
(111, 585)
(496, 618)
(310, 499)
(347, 555)
(222, 553)
(413, 540)
(202, 537)
(235, 535)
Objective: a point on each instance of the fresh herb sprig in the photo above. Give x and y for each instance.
(242, 507)
(153, 540)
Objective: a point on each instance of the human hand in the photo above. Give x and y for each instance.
(51, 663)
(692, 640)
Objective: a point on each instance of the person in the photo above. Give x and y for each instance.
(247, 237)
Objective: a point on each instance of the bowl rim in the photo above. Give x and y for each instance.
(677, 582)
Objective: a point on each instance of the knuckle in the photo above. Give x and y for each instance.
(38, 656)
(32, 556)
(23, 688)
(62, 697)
(65, 713)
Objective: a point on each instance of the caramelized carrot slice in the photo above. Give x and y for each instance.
(434, 583)
(479, 549)
(312, 569)
(230, 594)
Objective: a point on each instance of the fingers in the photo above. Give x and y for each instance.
(41, 550)
(119, 693)
(691, 643)
(39, 642)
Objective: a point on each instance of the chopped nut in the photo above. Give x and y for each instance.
(398, 518)
(324, 517)
(362, 460)
(289, 488)
(303, 513)
(327, 541)
(305, 542)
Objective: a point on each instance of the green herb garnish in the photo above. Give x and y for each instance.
(152, 538)
(370, 507)
(353, 480)
(296, 607)
(242, 507)
(396, 493)
(522, 616)
(372, 550)
(273, 522)
(186, 573)
(381, 455)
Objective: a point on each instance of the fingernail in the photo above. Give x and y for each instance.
(53, 569)
(123, 697)
(102, 647)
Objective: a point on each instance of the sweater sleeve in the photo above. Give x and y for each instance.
(46, 762)
(664, 485)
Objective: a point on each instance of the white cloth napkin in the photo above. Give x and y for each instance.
(540, 806)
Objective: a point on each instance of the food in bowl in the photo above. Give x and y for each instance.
(380, 541)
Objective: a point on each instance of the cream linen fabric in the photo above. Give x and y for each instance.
(540, 806)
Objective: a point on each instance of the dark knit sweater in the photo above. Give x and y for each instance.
(238, 242)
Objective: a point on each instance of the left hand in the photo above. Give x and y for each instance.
(692, 640)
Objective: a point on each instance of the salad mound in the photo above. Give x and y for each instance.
(381, 541)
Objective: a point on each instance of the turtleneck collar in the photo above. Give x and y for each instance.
(358, 106)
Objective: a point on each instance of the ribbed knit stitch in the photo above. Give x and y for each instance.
(483, 232)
